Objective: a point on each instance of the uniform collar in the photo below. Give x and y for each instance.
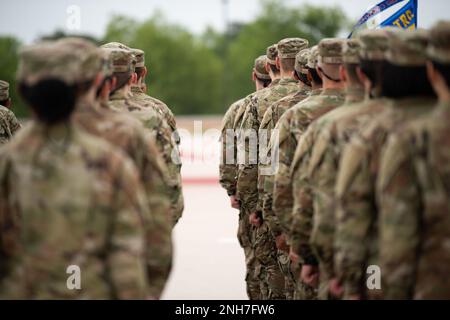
(333, 92)
(354, 94)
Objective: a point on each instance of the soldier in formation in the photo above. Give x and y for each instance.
(353, 188)
(88, 170)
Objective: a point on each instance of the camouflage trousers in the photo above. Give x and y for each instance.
(295, 288)
(245, 236)
(284, 264)
(268, 270)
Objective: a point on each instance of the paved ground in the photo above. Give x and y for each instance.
(209, 263)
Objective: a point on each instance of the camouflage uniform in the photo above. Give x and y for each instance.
(287, 49)
(125, 133)
(247, 176)
(413, 197)
(321, 169)
(139, 97)
(330, 52)
(357, 211)
(290, 126)
(155, 126)
(8, 122)
(68, 198)
(228, 175)
(255, 119)
(144, 99)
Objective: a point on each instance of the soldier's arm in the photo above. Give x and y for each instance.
(14, 124)
(355, 212)
(154, 176)
(227, 167)
(9, 220)
(171, 156)
(400, 207)
(324, 169)
(247, 180)
(283, 192)
(138, 232)
(302, 212)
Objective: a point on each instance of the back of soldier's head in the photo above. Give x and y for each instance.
(301, 69)
(4, 93)
(330, 58)
(372, 54)
(49, 76)
(313, 59)
(260, 72)
(439, 49)
(123, 64)
(288, 48)
(350, 59)
(272, 54)
(405, 73)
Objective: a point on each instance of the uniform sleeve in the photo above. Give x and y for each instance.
(400, 208)
(165, 141)
(247, 180)
(9, 220)
(323, 169)
(137, 231)
(355, 213)
(302, 212)
(283, 192)
(227, 167)
(14, 124)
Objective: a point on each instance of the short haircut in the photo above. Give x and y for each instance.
(352, 75)
(287, 64)
(122, 79)
(140, 72)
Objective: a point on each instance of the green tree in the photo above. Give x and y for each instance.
(277, 21)
(183, 71)
(9, 48)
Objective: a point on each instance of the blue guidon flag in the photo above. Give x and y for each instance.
(393, 13)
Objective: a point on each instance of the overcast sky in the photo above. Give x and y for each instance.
(28, 19)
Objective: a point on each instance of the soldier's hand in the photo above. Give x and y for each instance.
(235, 202)
(295, 258)
(336, 288)
(255, 219)
(281, 243)
(310, 275)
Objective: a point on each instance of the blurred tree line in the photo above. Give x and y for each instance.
(201, 74)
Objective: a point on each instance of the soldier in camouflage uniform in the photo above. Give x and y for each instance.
(124, 132)
(247, 183)
(70, 199)
(155, 126)
(246, 171)
(404, 83)
(287, 49)
(290, 126)
(8, 122)
(332, 96)
(339, 131)
(321, 167)
(228, 172)
(140, 97)
(413, 193)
